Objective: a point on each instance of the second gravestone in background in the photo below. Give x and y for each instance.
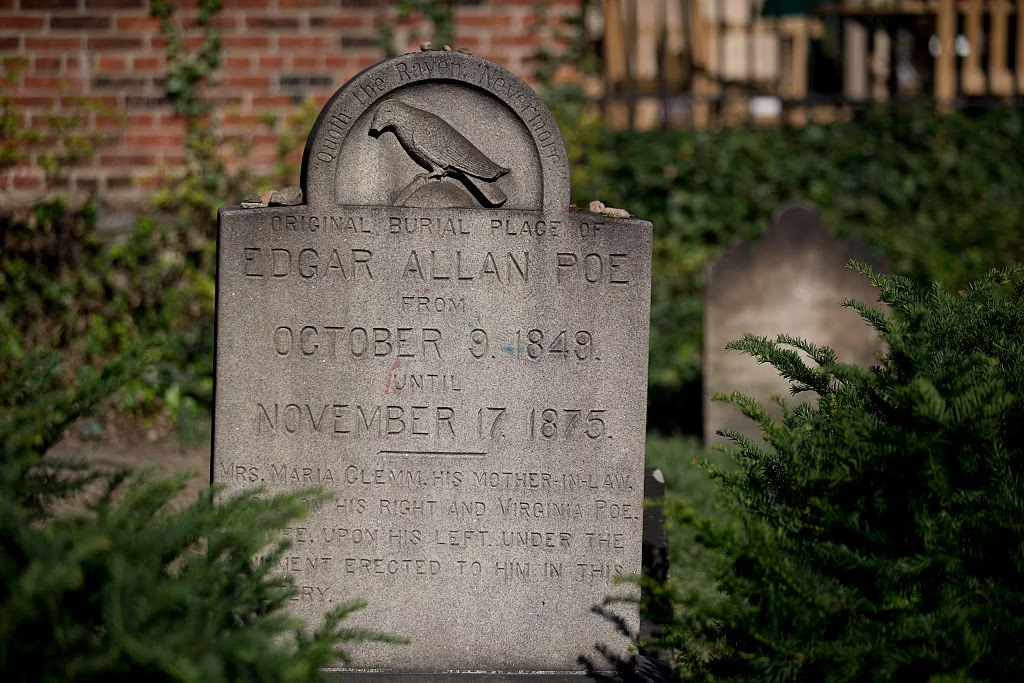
(457, 358)
(791, 281)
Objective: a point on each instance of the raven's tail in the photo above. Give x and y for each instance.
(485, 192)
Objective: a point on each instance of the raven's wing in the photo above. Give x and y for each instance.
(448, 148)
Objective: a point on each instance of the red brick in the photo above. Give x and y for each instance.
(246, 4)
(10, 42)
(50, 82)
(517, 41)
(138, 24)
(305, 62)
(115, 43)
(57, 44)
(272, 23)
(225, 22)
(69, 101)
(21, 182)
(141, 120)
(360, 41)
(485, 21)
(226, 101)
(246, 42)
(339, 62)
(49, 4)
(341, 21)
(287, 4)
(238, 119)
(90, 185)
(127, 82)
(237, 63)
(146, 64)
(271, 101)
(271, 62)
(120, 182)
(109, 123)
(469, 42)
(136, 139)
(305, 42)
(40, 101)
(131, 159)
(246, 82)
(22, 23)
(111, 64)
(79, 23)
(115, 4)
(46, 64)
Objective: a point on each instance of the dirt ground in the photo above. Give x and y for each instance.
(142, 448)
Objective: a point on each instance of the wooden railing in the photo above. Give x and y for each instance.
(722, 62)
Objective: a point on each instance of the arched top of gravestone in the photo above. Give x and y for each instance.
(436, 129)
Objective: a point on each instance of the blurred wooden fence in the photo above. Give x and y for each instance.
(728, 62)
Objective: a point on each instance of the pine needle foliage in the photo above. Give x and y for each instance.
(879, 527)
(103, 577)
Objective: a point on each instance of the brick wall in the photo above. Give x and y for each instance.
(276, 53)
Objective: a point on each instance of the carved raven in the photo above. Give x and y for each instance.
(435, 145)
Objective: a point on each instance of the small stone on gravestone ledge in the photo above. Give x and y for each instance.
(251, 201)
(597, 206)
(286, 196)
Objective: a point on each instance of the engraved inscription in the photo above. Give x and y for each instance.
(444, 265)
(534, 345)
(336, 224)
(425, 304)
(336, 341)
(424, 225)
(592, 268)
(533, 228)
(307, 263)
(342, 419)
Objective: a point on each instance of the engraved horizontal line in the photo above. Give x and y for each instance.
(438, 454)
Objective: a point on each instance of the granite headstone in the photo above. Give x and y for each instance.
(458, 358)
(790, 281)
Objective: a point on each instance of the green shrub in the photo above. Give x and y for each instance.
(103, 578)
(879, 530)
(61, 289)
(940, 196)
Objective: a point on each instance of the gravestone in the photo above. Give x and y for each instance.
(458, 358)
(790, 281)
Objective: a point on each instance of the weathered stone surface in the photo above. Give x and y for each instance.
(457, 359)
(791, 282)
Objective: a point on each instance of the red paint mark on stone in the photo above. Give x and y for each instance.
(391, 374)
